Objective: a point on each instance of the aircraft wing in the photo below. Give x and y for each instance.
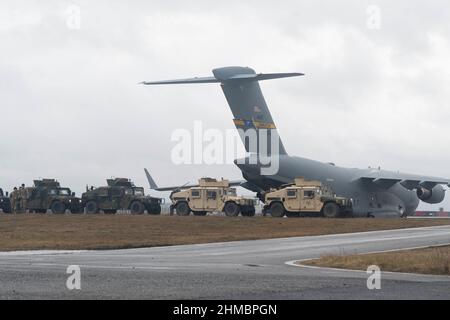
(386, 180)
(153, 185)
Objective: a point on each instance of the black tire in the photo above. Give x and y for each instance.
(137, 207)
(7, 210)
(154, 210)
(231, 209)
(182, 209)
(248, 212)
(330, 210)
(277, 210)
(110, 211)
(58, 207)
(92, 207)
(200, 213)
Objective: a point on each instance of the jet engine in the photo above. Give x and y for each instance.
(433, 196)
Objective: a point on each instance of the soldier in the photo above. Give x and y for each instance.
(23, 198)
(15, 205)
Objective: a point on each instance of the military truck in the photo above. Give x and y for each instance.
(47, 194)
(306, 197)
(211, 196)
(119, 194)
(5, 203)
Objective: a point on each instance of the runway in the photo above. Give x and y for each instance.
(233, 270)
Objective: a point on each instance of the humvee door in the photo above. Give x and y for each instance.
(196, 198)
(311, 200)
(103, 198)
(292, 201)
(211, 199)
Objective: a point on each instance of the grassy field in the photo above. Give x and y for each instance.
(28, 232)
(435, 260)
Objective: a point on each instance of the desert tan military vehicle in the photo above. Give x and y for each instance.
(211, 196)
(306, 197)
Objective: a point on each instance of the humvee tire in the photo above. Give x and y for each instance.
(154, 210)
(7, 210)
(58, 207)
(248, 212)
(330, 210)
(110, 211)
(137, 207)
(200, 213)
(182, 209)
(92, 207)
(231, 209)
(277, 210)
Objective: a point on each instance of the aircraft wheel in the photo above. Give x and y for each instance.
(277, 210)
(92, 207)
(137, 208)
(182, 209)
(330, 210)
(231, 209)
(58, 207)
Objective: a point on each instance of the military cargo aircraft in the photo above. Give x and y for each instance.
(374, 192)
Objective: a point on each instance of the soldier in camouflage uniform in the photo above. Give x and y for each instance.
(23, 199)
(15, 204)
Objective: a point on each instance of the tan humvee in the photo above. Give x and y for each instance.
(211, 195)
(309, 197)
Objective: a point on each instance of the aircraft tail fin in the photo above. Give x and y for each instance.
(151, 182)
(244, 96)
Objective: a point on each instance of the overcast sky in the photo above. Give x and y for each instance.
(376, 91)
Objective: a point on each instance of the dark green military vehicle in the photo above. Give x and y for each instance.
(120, 194)
(5, 203)
(47, 194)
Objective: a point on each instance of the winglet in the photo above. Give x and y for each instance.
(151, 182)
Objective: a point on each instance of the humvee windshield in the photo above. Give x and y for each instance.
(64, 192)
(230, 192)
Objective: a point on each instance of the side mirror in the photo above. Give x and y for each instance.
(73, 194)
(7, 194)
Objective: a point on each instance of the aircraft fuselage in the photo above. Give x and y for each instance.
(368, 198)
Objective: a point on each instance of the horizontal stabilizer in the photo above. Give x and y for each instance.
(184, 81)
(222, 79)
